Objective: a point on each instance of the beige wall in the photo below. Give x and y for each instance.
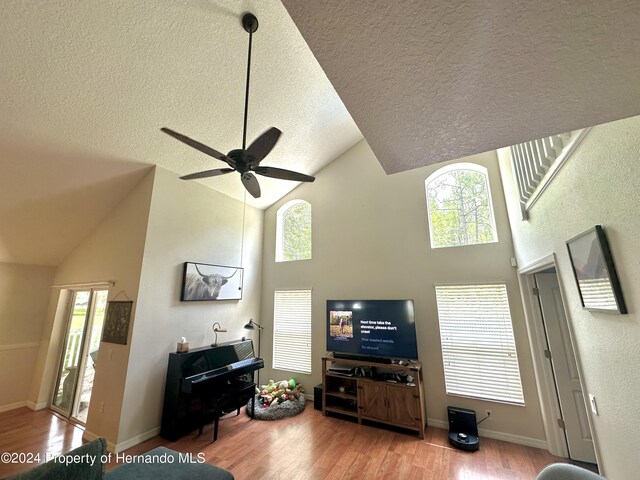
(112, 251)
(370, 240)
(598, 185)
(187, 222)
(24, 296)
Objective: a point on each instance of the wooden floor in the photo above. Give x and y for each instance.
(308, 446)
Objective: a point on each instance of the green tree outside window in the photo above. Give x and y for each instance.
(296, 232)
(459, 209)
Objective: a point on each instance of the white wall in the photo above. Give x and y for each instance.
(24, 296)
(371, 240)
(598, 185)
(187, 222)
(112, 251)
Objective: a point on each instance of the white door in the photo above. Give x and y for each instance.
(563, 362)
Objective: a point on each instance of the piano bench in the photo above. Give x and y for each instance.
(234, 398)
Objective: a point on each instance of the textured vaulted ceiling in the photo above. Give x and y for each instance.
(85, 87)
(428, 81)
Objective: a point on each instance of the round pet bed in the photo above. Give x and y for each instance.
(290, 408)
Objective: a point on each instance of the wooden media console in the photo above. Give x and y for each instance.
(372, 397)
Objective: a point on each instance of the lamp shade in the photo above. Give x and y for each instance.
(251, 325)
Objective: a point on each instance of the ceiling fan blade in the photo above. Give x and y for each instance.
(262, 145)
(250, 182)
(208, 173)
(283, 174)
(199, 146)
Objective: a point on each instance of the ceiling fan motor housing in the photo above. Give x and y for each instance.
(242, 158)
(250, 22)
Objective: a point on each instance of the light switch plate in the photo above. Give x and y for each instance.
(592, 402)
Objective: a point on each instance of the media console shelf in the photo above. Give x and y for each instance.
(373, 398)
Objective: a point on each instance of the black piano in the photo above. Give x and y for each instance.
(205, 383)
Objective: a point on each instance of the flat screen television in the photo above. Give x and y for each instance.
(372, 328)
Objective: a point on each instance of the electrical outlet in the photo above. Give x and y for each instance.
(487, 414)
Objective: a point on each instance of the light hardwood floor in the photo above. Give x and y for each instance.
(308, 446)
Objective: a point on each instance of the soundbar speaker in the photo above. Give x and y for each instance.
(317, 397)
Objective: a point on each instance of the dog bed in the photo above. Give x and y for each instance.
(290, 408)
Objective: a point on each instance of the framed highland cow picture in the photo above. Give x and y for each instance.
(203, 282)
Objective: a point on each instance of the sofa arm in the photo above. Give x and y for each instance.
(83, 462)
(566, 471)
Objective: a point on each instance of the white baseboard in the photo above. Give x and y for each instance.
(505, 437)
(36, 406)
(432, 422)
(87, 435)
(12, 406)
(137, 439)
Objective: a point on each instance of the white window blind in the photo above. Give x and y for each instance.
(292, 330)
(478, 348)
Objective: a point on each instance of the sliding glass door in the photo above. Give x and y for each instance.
(74, 382)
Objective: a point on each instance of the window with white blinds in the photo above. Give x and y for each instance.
(292, 330)
(478, 348)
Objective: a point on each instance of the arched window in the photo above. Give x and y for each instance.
(293, 231)
(459, 206)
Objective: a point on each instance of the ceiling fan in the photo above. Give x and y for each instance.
(245, 161)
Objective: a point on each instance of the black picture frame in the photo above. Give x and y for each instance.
(116, 322)
(595, 272)
(204, 282)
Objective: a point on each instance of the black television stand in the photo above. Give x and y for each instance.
(362, 358)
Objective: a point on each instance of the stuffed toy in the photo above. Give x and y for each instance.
(275, 393)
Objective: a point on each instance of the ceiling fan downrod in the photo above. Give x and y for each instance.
(250, 24)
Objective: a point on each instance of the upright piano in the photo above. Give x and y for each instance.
(203, 381)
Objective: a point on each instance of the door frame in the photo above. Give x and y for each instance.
(547, 393)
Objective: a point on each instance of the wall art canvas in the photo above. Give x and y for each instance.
(116, 323)
(205, 282)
